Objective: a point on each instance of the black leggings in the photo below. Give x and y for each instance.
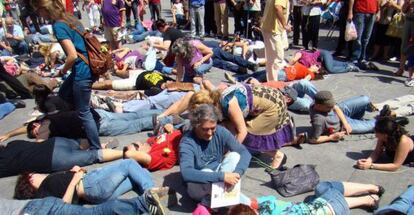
(310, 30)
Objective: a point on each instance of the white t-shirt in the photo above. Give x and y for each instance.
(179, 10)
(312, 10)
(131, 62)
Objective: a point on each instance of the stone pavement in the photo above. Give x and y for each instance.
(334, 161)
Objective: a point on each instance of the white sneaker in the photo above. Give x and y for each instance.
(409, 82)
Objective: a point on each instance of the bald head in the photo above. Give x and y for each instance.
(9, 21)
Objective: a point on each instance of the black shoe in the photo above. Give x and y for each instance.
(381, 190)
(110, 104)
(254, 67)
(280, 167)
(153, 202)
(385, 111)
(372, 66)
(242, 70)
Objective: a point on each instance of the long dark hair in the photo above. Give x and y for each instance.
(393, 128)
(41, 92)
(24, 189)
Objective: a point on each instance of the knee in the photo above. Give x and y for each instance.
(364, 99)
(233, 157)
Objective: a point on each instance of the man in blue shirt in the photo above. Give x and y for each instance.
(14, 36)
(209, 153)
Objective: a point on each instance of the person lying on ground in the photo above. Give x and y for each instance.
(47, 103)
(148, 203)
(393, 142)
(228, 61)
(90, 186)
(322, 58)
(331, 197)
(331, 121)
(66, 124)
(150, 82)
(51, 155)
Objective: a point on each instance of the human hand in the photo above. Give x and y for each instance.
(77, 169)
(337, 136)
(350, 16)
(363, 164)
(77, 177)
(197, 64)
(348, 128)
(9, 36)
(231, 178)
(288, 28)
(4, 138)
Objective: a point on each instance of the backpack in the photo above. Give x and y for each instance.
(100, 58)
(294, 181)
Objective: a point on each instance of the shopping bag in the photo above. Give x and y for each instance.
(350, 32)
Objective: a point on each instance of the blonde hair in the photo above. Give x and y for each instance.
(205, 97)
(55, 9)
(44, 49)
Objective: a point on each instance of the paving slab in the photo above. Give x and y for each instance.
(334, 161)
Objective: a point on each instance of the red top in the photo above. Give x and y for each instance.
(297, 72)
(366, 6)
(69, 7)
(164, 150)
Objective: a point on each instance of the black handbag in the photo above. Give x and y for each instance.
(300, 179)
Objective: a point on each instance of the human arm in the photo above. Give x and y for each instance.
(179, 106)
(207, 54)
(343, 120)
(18, 34)
(366, 163)
(396, 6)
(295, 58)
(401, 153)
(350, 10)
(164, 46)
(327, 138)
(71, 189)
(236, 117)
(187, 164)
(71, 55)
(234, 146)
(280, 16)
(12, 133)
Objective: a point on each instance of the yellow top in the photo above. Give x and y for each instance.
(270, 23)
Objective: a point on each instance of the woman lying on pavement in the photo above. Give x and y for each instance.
(54, 154)
(331, 197)
(393, 141)
(97, 186)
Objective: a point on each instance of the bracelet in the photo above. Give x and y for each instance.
(372, 166)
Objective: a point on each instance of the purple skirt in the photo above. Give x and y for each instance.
(270, 142)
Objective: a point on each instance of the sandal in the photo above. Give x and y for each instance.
(375, 206)
(381, 190)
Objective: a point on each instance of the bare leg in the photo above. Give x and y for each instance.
(403, 59)
(277, 158)
(353, 189)
(354, 202)
(102, 85)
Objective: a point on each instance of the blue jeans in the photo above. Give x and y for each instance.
(403, 203)
(228, 61)
(160, 67)
(199, 71)
(6, 108)
(363, 23)
(260, 76)
(306, 93)
(115, 179)
(333, 193)
(139, 34)
(180, 19)
(67, 153)
(333, 66)
(162, 100)
(78, 93)
(53, 205)
(202, 192)
(354, 110)
(197, 16)
(38, 38)
(113, 124)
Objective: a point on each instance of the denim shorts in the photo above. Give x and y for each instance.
(333, 193)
